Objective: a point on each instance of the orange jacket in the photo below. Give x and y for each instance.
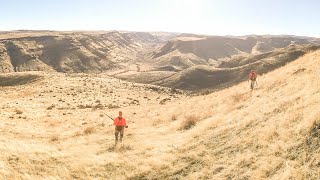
(120, 122)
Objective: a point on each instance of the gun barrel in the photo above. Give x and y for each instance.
(110, 117)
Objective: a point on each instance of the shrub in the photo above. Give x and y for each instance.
(89, 130)
(238, 97)
(78, 133)
(189, 122)
(205, 92)
(111, 106)
(18, 111)
(157, 122)
(98, 106)
(51, 107)
(174, 117)
(54, 138)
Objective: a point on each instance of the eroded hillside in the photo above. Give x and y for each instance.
(73, 51)
(197, 63)
(188, 62)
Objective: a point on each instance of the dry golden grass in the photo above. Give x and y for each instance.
(271, 132)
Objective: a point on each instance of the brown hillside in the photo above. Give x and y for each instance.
(186, 61)
(216, 47)
(72, 51)
(57, 128)
(206, 77)
(19, 79)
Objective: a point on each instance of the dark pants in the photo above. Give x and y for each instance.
(253, 82)
(119, 129)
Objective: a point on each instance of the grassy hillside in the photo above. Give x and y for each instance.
(54, 129)
(269, 133)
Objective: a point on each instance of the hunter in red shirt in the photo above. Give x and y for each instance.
(253, 78)
(120, 124)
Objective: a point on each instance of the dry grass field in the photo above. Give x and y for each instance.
(55, 127)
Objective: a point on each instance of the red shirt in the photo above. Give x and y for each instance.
(252, 75)
(120, 122)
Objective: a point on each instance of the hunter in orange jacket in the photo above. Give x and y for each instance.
(119, 124)
(120, 121)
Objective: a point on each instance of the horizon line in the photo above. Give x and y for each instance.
(203, 34)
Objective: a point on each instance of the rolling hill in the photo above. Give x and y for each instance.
(233, 71)
(55, 127)
(182, 61)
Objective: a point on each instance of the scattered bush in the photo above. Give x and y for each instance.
(88, 106)
(163, 101)
(18, 111)
(157, 122)
(89, 130)
(189, 122)
(205, 92)
(54, 138)
(97, 106)
(78, 133)
(51, 107)
(238, 97)
(81, 106)
(111, 106)
(175, 91)
(124, 148)
(174, 117)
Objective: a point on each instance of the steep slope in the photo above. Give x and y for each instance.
(261, 47)
(269, 133)
(57, 128)
(5, 64)
(289, 53)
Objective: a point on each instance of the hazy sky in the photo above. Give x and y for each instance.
(215, 17)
